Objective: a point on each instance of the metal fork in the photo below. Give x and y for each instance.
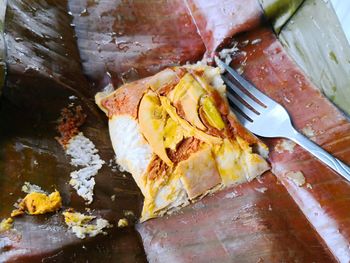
(270, 119)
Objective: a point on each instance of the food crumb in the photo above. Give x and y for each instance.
(285, 145)
(81, 225)
(308, 131)
(30, 188)
(129, 213)
(6, 224)
(259, 179)
(296, 177)
(244, 43)
(231, 195)
(227, 53)
(256, 41)
(309, 186)
(123, 222)
(261, 189)
(36, 203)
(83, 154)
(69, 122)
(240, 70)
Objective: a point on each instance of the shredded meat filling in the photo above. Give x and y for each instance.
(235, 128)
(157, 168)
(183, 151)
(180, 110)
(69, 122)
(221, 105)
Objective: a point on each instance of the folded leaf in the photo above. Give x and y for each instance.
(316, 41)
(280, 11)
(218, 21)
(133, 39)
(324, 199)
(44, 70)
(252, 222)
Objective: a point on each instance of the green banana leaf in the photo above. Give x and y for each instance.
(313, 37)
(3, 4)
(280, 11)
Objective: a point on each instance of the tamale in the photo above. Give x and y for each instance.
(176, 135)
(270, 68)
(250, 223)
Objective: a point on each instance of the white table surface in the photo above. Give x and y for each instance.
(342, 8)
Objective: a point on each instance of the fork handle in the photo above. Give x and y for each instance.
(321, 154)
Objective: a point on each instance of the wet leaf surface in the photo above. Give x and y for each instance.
(269, 220)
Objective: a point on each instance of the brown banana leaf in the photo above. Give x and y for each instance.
(217, 21)
(3, 5)
(268, 220)
(239, 229)
(242, 224)
(325, 202)
(128, 45)
(133, 39)
(43, 71)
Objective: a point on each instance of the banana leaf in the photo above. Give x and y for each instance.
(120, 45)
(243, 224)
(278, 12)
(269, 219)
(221, 227)
(123, 41)
(341, 8)
(43, 71)
(217, 21)
(316, 41)
(2, 43)
(324, 202)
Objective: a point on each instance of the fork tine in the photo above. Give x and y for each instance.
(248, 112)
(242, 119)
(244, 96)
(245, 84)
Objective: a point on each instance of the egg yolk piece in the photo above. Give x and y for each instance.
(38, 203)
